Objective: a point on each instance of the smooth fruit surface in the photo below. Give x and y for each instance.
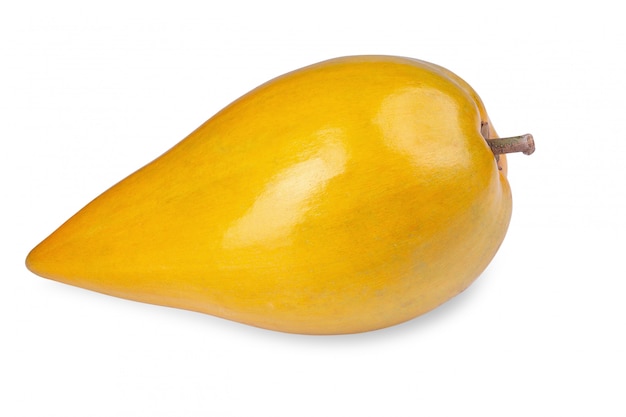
(347, 196)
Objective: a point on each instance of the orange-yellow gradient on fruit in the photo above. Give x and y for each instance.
(343, 197)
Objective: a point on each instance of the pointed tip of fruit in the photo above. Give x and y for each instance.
(34, 262)
(41, 261)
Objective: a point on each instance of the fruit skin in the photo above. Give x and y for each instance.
(343, 197)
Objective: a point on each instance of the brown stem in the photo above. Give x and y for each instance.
(524, 143)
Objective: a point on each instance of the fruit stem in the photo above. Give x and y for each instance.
(523, 143)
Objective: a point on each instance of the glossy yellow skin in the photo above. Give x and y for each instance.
(347, 196)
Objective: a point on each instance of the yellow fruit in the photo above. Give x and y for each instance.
(347, 196)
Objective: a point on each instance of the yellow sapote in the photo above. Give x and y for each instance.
(343, 197)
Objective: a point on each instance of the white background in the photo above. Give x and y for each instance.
(90, 91)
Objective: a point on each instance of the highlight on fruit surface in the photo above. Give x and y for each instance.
(347, 196)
